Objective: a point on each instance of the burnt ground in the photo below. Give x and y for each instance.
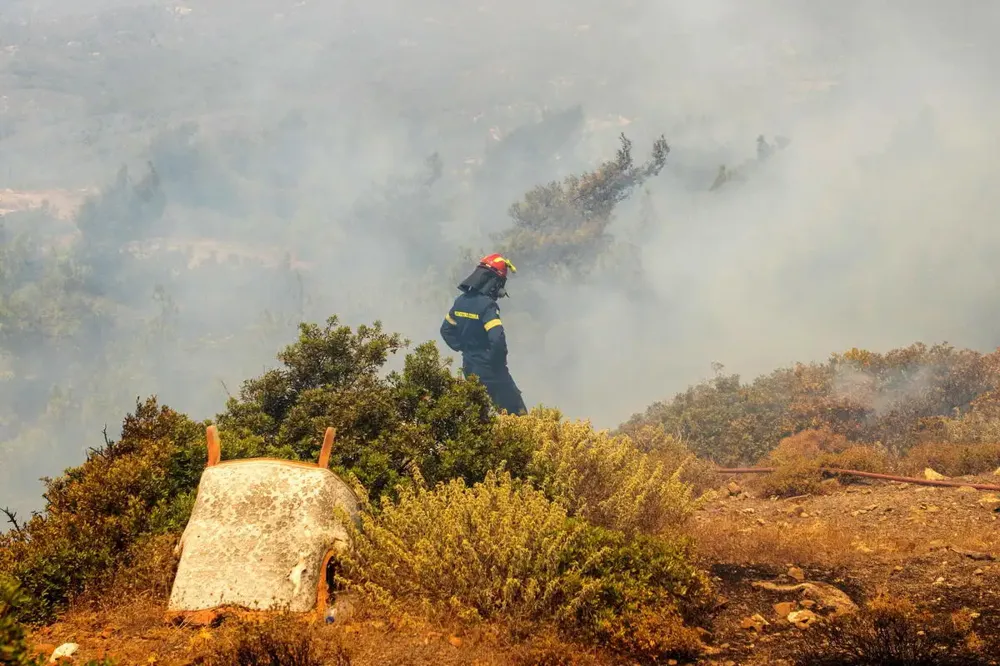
(938, 548)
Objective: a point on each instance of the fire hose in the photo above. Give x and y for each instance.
(870, 475)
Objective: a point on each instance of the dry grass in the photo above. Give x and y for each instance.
(952, 459)
(812, 543)
(134, 631)
(277, 641)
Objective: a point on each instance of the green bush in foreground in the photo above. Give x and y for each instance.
(423, 417)
(96, 514)
(606, 480)
(13, 647)
(501, 550)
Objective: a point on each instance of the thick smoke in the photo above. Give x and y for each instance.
(340, 157)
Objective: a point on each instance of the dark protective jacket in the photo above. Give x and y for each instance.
(473, 328)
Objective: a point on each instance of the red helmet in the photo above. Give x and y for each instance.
(498, 264)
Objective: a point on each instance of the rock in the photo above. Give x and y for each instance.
(784, 608)
(65, 650)
(978, 572)
(797, 574)
(455, 640)
(734, 488)
(974, 554)
(939, 581)
(989, 500)
(937, 544)
(802, 618)
(808, 603)
(966, 489)
(996, 472)
(824, 594)
(755, 622)
(931, 475)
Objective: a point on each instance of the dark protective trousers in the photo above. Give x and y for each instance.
(502, 390)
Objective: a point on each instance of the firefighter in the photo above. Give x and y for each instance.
(473, 328)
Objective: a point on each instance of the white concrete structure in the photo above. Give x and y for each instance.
(261, 533)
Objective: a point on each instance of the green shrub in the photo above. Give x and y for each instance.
(422, 417)
(601, 478)
(14, 649)
(560, 228)
(502, 550)
(860, 395)
(96, 514)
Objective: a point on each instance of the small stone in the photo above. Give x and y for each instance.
(755, 622)
(977, 572)
(797, 574)
(966, 489)
(939, 581)
(455, 640)
(808, 603)
(802, 618)
(66, 650)
(989, 500)
(734, 488)
(784, 608)
(931, 475)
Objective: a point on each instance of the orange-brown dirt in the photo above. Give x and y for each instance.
(938, 547)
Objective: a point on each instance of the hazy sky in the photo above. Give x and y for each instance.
(873, 228)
